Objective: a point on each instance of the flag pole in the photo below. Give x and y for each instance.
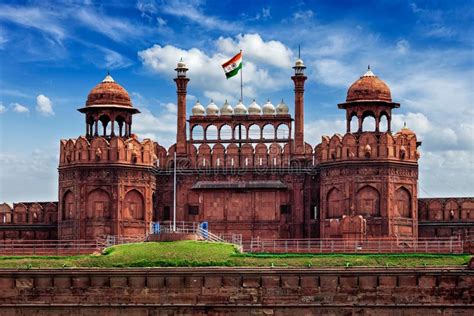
(241, 84)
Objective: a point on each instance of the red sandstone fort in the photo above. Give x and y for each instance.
(245, 170)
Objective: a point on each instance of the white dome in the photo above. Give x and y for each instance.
(181, 64)
(299, 63)
(254, 108)
(282, 108)
(240, 109)
(212, 109)
(268, 108)
(226, 109)
(198, 109)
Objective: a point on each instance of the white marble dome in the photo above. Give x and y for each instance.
(198, 109)
(226, 109)
(212, 109)
(240, 109)
(268, 108)
(282, 108)
(254, 108)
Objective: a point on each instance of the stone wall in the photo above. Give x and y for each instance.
(204, 290)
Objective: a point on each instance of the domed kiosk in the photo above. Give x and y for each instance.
(109, 104)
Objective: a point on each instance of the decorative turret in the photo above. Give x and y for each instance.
(282, 108)
(198, 109)
(240, 109)
(268, 108)
(254, 108)
(226, 109)
(212, 108)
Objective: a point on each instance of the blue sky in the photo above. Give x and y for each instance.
(52, 53)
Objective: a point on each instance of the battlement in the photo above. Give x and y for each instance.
(368, 145)
(100, 150)
(29, 213)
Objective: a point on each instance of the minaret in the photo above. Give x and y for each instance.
(299, 78)
(181, 84)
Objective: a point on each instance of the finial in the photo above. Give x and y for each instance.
(299, 51)
(212, 101)
(405, 125)
(108, 73)
(281, 100)
(368, 67)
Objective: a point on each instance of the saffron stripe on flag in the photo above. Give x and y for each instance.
(232, 60)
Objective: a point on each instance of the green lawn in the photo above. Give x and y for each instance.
(195, 254)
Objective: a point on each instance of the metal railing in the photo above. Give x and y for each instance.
(49, 247)
(376, 245)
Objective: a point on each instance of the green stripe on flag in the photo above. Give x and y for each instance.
(233, 72)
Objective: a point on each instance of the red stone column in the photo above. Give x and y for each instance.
(181, 85)
(299, 80)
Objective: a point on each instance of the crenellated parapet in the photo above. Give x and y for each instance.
(100, 150)
(403, 146)
(24, 213)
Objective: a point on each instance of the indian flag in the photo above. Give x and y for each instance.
(233, 65)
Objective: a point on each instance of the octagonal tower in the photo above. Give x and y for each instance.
(369, 175)
(106, 185)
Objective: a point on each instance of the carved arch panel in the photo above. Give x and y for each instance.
(402, 203)
(98, 205)
(335, 202)
(134, 206)
(368, 201)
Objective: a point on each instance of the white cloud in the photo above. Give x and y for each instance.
(403, 46)
(114, 60)
(273, 53)
(119, 30)
(3, 109)
(44, 105)
(37, 18)
(17, 107)
(206, 72)
(191, 10)
(303, 15)
(333, 72)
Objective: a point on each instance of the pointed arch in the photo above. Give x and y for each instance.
(402, 203)
(98, 204)
(134, 205)
(368, 201)
(68, 206)
(335, 203)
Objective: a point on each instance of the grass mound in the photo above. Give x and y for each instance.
(205, 254)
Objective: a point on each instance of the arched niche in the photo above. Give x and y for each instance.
(368, 201)
(402, 203)
(134, 207)
(435, 211)
(68, 207)
(353, 123)
(451, 211)
(335, 203)
(98, 205)
(383, 123)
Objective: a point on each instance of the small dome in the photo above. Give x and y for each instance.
(299, 63)
(226, 109)
(282, 108)
(212, 109)
(369, 88)
(268, 108)
(240, 109)
(405, 130)
(108, 92)
(254, 108)
(198, 109)
(181, 64)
